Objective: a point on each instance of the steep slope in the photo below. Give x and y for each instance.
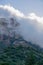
(13, 47)
(8, 31)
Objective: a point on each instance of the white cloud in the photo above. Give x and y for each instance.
(12, 10)
(16, 12)
(33, 16)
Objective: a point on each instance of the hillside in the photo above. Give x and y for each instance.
(19, 52)
(20, 55)
(14, 49)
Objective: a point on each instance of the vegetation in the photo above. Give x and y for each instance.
(19, 55)
(17, 51)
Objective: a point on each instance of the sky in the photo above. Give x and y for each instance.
(26, 6)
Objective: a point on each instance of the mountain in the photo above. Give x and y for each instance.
(8, 26)
(10, 34)
(21, 52)
(8, 31)
(14, 49)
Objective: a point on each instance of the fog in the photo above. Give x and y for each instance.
(31, 26)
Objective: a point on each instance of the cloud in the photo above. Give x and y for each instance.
(31, 26)
(12, 10)
(33, 16)
(16, 12)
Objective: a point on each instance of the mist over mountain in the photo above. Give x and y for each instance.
(30, 26)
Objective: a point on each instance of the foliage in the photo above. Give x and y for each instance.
(19, 56)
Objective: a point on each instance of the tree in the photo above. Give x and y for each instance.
(30, 60)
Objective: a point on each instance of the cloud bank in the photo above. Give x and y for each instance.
(16, 12)
(31, 25)
(12, 10)
(33, 16)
